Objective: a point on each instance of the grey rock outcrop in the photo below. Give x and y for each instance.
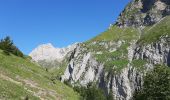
(143, 13)
(82, 68)
(155, 53)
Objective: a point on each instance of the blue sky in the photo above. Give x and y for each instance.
(60, 22)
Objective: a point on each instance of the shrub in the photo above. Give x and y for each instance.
(90, 93)
(156, 85)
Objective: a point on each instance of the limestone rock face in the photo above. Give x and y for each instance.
(155, 53)
(143, 13)
(48, 55)
(124, 84)
(83, 68)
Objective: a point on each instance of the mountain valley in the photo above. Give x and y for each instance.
(115, 62)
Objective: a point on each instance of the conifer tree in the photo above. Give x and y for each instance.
(8, 47)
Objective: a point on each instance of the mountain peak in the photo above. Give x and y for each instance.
(143, 12)
(47, 45)
(50, 53)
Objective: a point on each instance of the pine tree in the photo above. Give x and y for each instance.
(8, 47)
(6, 44)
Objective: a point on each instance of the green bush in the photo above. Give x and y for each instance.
(90, 93)
(139, 64)
(110, 96)
(156, 85)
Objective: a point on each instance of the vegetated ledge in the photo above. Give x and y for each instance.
(153, 33)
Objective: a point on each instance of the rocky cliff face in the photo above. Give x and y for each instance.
(144, 13)
(83, 68)
(117, 60)
(155, 53)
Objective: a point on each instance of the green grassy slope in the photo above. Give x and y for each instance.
(149, 33)
(153, 33)
(19, 78)
(115, 33)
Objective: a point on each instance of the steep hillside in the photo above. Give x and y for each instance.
(116, 33)
(20, 79)
(153, 33)
(117, 60)
(118, 64)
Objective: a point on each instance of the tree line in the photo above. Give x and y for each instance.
(8, 47)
